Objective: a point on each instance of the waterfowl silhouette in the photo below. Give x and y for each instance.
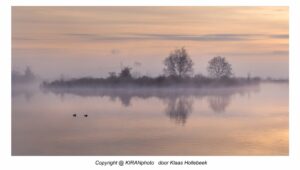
(74, 115)
(85, 115)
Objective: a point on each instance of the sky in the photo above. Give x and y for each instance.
(93, 41)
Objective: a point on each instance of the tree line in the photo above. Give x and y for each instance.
(178, 71)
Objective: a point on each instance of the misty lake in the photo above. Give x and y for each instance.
(250, 120)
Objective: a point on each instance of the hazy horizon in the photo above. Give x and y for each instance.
(168, 115)
(92, 41)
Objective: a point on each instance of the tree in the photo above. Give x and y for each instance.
(28, 74)
(125, 73)
(112, 75)
(178, 63)
(218, 68)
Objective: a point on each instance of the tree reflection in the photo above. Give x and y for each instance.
(27, 93)
(179, 108)
(219, 103)
(125, 100)
(178, 101)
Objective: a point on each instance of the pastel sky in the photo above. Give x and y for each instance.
(92, 41)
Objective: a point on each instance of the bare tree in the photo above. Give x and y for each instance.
(112, 75)
(218, 67)
(178, 63)
(125, 73)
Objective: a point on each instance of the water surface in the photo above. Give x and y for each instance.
(231, 121)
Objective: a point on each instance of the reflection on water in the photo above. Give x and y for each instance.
(219, 103)
(125, 99)
(248, 120)
(179, 101)
(27, 91)
(179, 108)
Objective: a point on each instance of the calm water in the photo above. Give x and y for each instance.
(240, 121)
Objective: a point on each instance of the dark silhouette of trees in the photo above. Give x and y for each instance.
(219, 68)
(27, 77)
(112, 75)
(178, 73)
(125, 73)
(178, 64)
(29, 74)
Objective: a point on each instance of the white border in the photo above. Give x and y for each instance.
(253, 162)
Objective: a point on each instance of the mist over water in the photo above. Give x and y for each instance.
(168, 81)
(250, 120)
